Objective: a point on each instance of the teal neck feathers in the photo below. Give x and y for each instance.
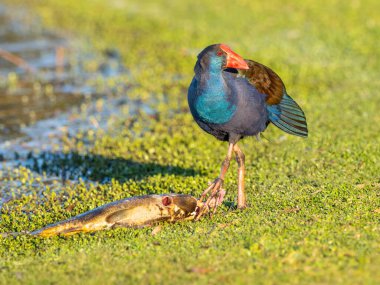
(213, 105)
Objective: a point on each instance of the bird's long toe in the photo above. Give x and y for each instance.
(213, 200)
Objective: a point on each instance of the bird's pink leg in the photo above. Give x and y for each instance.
(216, 186)
(240, 158)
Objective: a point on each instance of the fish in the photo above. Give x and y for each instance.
(134, 212)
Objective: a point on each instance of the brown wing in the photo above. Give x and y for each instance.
(265, 80)
(283, 111)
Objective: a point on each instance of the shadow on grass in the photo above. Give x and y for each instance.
(75, 166)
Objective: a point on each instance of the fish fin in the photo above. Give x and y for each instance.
(117, 217)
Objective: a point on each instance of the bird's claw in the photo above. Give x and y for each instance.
(213, 201)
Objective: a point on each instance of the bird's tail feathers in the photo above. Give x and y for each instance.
(288, 116)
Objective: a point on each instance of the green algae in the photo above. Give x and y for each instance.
(313, 213)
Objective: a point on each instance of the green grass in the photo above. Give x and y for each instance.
(313, 215)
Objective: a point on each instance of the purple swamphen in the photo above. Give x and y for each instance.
(231, 98)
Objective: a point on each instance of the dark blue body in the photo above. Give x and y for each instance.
(225, 105)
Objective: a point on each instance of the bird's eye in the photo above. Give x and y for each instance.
(219, 53)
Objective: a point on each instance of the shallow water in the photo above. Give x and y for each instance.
(43, 73)
(51, 86)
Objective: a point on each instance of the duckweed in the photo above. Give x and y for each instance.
(313, 214)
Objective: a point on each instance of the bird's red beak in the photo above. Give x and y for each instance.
(233, 59)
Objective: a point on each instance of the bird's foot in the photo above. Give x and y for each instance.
(213, 201)
(242, 207)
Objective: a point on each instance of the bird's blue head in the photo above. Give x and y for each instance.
(218, 57)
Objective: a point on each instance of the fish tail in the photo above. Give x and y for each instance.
(67, 227)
